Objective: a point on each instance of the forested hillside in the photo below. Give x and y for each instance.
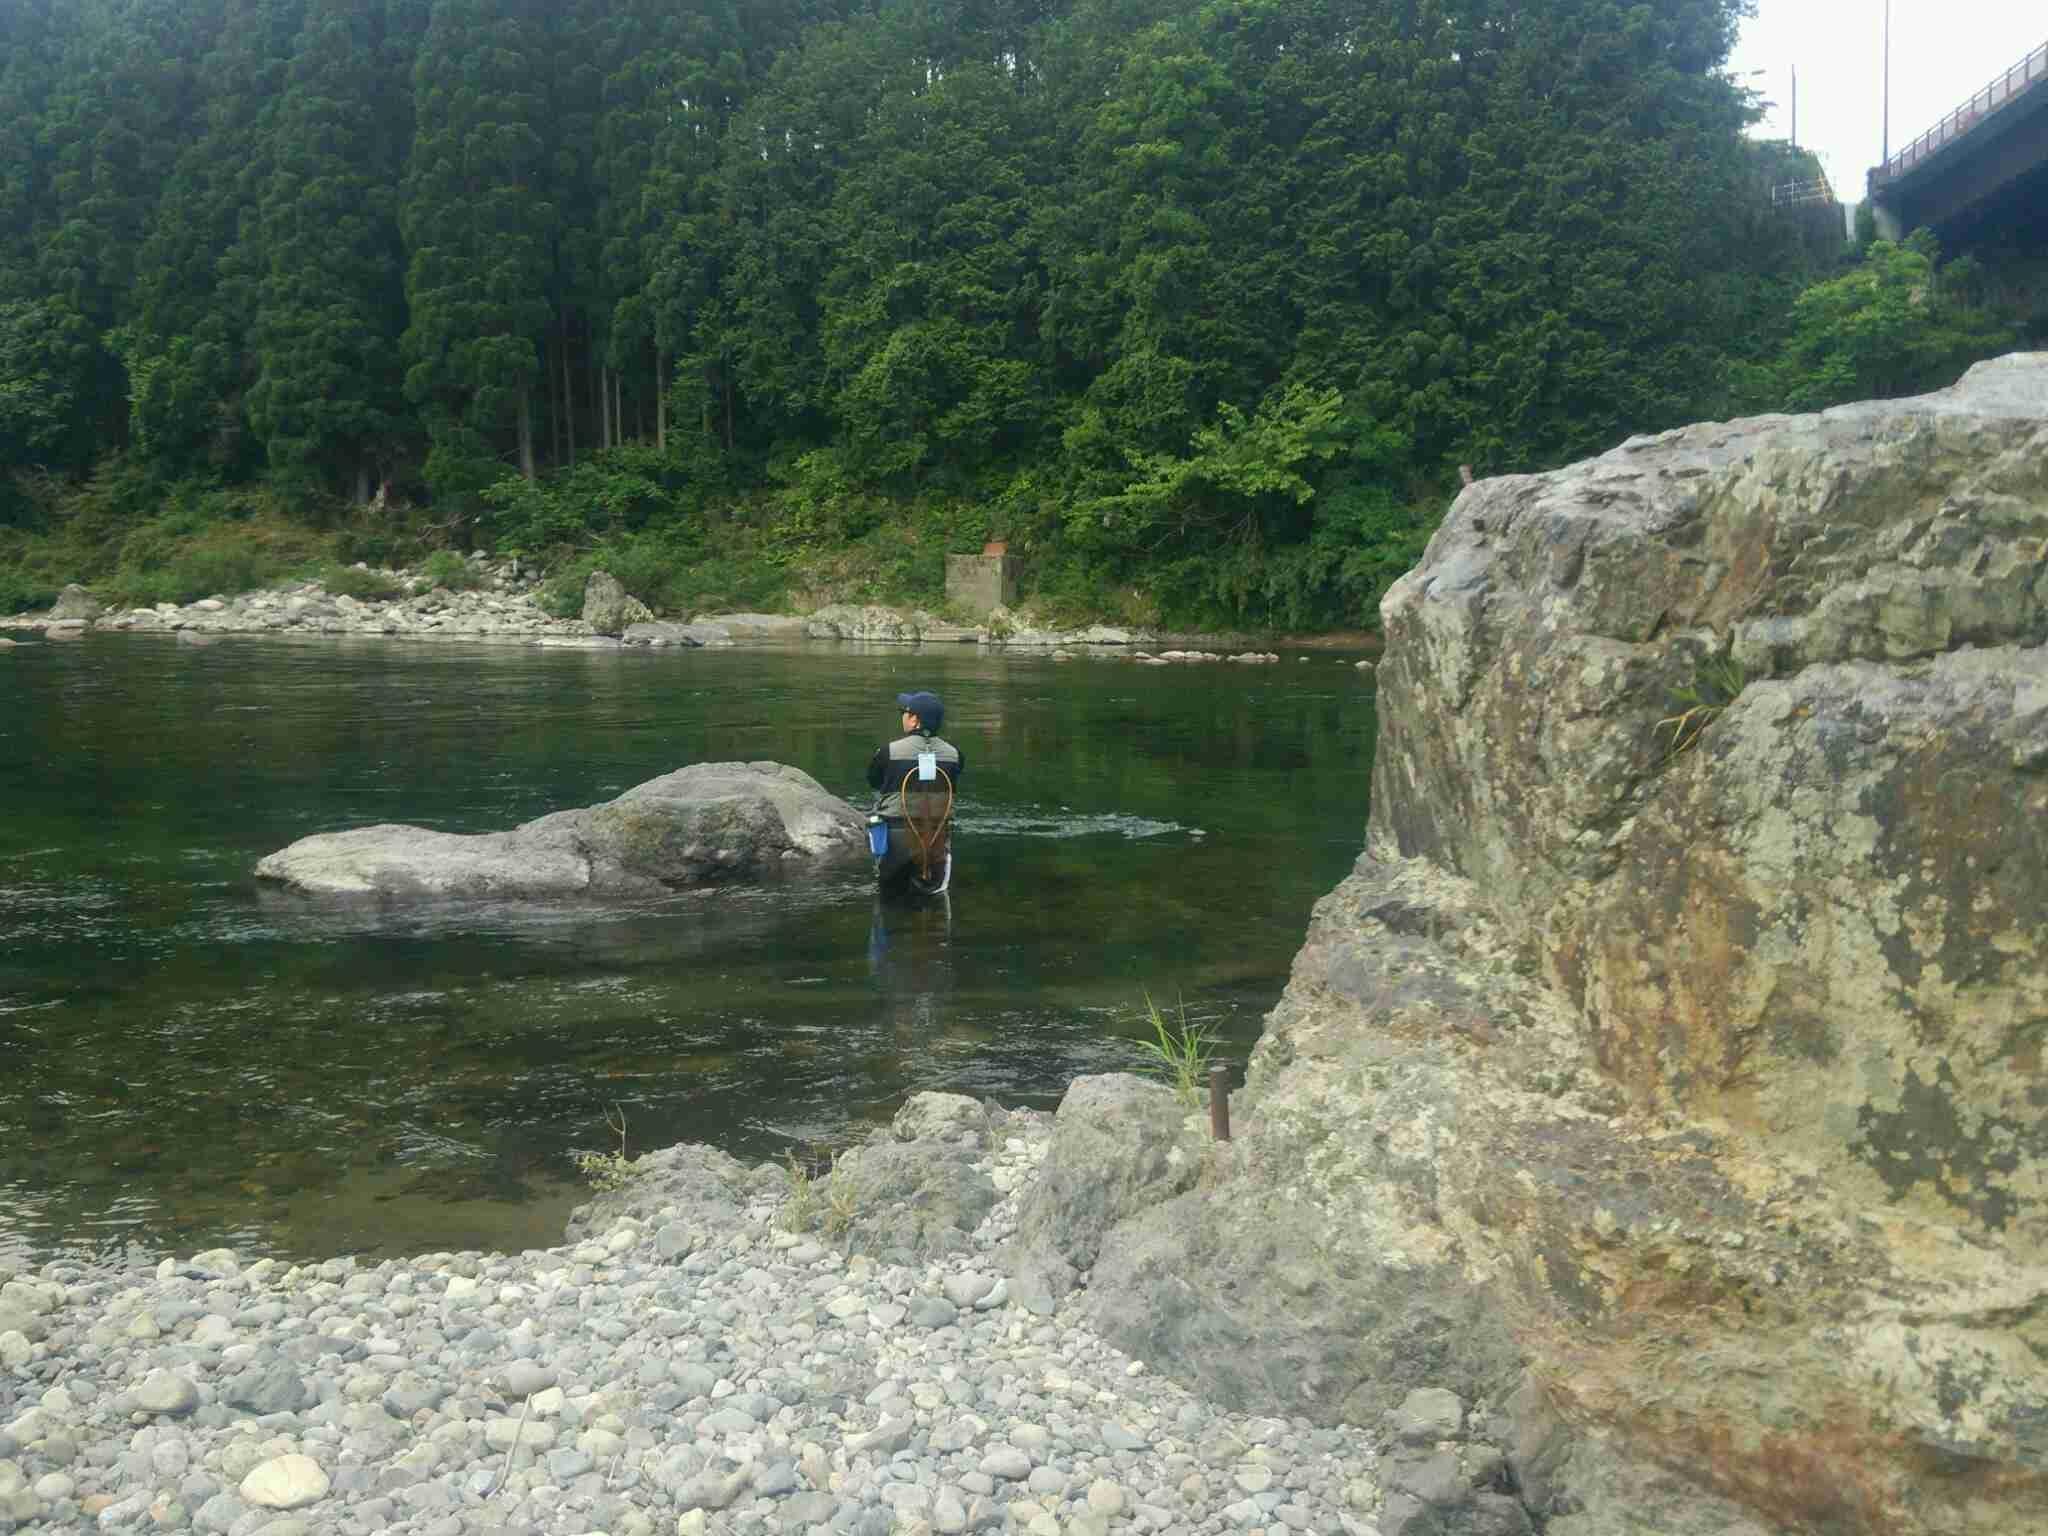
(1200, 306)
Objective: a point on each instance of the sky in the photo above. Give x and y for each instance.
(1942, 52)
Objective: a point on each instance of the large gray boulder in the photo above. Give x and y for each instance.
(1692, 1063)
(705, 823)
(1121, 1146)
(75, 602)
(608, 608)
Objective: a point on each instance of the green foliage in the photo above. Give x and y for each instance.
(616, 494)
(609, 1172)
(445, 568)
(208, 543)
(661, 567)
(1198, 306)
(1894, 324)
(47, 362)
(1179, 1052)
(363, 585)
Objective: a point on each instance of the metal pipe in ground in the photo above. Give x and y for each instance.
(1219, 1100)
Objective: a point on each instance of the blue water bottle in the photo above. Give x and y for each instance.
(878, 836)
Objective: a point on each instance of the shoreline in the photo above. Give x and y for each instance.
(503, 609)
(683, 1361)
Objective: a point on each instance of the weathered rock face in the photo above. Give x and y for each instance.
(700, 824)
(1708, 1082)
(1120, 1146)
(687, 636)
(75, 602)
(608, 608)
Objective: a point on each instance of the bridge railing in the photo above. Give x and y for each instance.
(2022, 77)
(1792, 194)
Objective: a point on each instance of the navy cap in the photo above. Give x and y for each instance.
(929, 709)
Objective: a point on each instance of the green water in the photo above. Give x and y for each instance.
(187, 1060)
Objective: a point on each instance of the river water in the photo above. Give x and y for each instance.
(188, 1061)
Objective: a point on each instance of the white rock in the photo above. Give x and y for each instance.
(285, 1482)
(499, 1434)
(15, 1349)
(1105, 1497)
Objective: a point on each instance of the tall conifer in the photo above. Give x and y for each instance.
(479, 227)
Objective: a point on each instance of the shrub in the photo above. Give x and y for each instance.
(445, 568)
(363, 586)
(179, 557)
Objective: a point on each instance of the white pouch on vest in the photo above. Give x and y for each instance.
(927, 766)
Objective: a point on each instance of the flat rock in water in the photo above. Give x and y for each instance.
(702, 824)
(658, 633)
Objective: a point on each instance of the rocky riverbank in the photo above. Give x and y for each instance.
(503, 605)
(714, 1349)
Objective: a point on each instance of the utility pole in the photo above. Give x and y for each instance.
(1885, 155)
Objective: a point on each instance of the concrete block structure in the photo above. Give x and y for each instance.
(977, 584)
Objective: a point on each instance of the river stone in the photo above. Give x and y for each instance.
(699, 825)
(285, 1482)
(523, 1378)
(1699, 1078)
(930, 1116)
(163, 1392)
(1426, 1415)
(657, 634)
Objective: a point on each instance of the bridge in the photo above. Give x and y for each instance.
(1978, 175)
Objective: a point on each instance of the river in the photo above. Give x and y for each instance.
(187, 1061)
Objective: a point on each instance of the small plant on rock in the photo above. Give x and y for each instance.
(1180, 1052)
(820, 1202)
(609, 1172)
(1698, 704)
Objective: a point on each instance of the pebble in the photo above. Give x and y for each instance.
(672, 1373)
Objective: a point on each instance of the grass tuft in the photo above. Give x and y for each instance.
(820, 1202)
(1180, 1052)
(1698, 704)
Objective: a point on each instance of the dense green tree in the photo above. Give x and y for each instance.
(479, 227)
(326, 401)
(198, 269)
(48, 362)
(1204, 302)
(1891, 325)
